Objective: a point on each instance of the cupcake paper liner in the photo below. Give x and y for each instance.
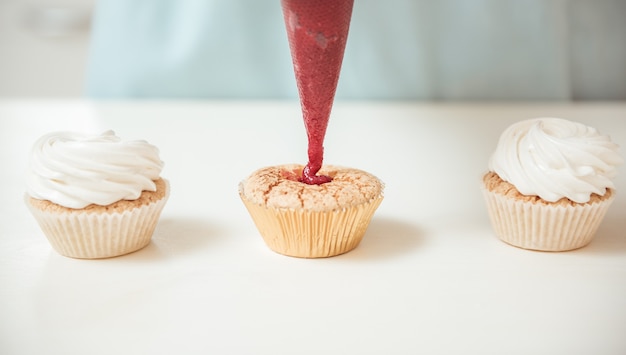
(544, 227)
(89, 235)
(312, 234)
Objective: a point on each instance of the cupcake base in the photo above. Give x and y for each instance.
(88, 234)
(312, 234)
(536, 225)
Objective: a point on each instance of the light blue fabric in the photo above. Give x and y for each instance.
(397, 49)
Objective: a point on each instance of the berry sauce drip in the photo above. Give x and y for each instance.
(317, 31)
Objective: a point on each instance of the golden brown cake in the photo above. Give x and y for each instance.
(311, 221)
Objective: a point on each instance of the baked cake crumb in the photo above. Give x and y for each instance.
(145, 198)
(493, 182)
(278, 187)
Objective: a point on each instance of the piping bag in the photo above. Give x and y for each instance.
(317, 31)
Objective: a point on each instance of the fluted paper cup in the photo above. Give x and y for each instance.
(312, 234)
(545, 227)
(94, 235)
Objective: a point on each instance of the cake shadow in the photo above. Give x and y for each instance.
(386, 238)
(610, 239)
(175, 237)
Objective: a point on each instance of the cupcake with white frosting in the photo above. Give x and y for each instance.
(550, 184)
(95, 196)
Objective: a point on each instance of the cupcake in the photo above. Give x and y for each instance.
(95, 196)
(549, 184)
(311, 220)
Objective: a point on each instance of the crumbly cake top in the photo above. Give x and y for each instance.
(278, 187)
(146, 198)
(494, 183)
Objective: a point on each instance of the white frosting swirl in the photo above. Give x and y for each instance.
(76, 170)
(555, 158)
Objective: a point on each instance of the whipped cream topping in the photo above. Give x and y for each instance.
(75, 170)
(555, 158)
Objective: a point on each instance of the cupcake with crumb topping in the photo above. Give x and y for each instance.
(95, 196)
(550, 184)
(311, 220)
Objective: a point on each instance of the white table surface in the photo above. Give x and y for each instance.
(429, 277)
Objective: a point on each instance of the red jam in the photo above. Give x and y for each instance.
(317, 32)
